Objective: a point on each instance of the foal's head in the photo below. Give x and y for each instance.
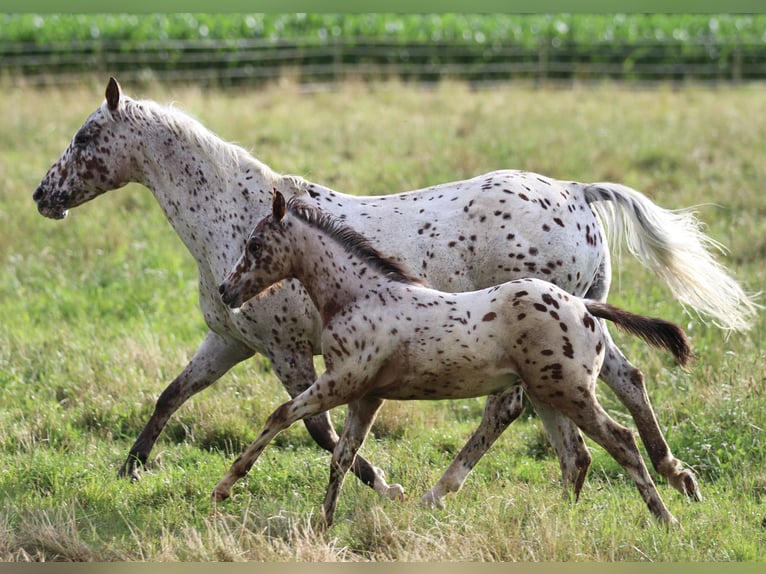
(267, 257)
(264, 260)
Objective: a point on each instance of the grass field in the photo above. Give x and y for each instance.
(98, 313)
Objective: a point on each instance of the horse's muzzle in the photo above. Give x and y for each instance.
(46, 207)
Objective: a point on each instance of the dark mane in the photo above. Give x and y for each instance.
(351, 240)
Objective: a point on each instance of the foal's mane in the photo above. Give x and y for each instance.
(351, 240)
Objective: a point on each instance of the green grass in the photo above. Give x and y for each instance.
(99, 313)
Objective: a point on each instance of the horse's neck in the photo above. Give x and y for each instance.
(212, 192)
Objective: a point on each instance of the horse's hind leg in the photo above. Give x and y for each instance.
(214, 357)
(628, 384)
(619, 442)
(361, 415)
(500, 410)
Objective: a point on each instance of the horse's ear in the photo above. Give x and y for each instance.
(113, 95)
(278, 207)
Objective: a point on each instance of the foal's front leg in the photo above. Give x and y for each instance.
(318, 398)
(361, 415)
(295, 368)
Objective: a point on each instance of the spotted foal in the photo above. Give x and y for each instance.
(385, 335)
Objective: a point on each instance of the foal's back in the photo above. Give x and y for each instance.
(425, 344)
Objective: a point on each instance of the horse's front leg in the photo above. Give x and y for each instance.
(361, 415)
(297, 373)
(214, 357)
(318, 398)
(499, 412)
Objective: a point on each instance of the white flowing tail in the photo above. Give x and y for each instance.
(671, 244)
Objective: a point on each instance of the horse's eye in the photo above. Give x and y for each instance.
(254, 247)
(82, 139)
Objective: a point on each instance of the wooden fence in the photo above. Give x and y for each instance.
(255, 62)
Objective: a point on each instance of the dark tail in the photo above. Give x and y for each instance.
(657, 332)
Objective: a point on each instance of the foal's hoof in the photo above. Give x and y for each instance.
(686, 482)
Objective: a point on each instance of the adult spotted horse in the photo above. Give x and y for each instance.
(457, 236)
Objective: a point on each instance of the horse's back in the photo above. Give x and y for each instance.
(482, 231)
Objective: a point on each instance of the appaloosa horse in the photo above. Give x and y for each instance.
(458, 236)
(385, 335)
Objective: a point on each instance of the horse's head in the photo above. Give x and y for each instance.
(264, 261)
(95, 161)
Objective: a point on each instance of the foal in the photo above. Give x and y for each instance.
(387, 336)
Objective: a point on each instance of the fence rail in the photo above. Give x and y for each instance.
(258, 61)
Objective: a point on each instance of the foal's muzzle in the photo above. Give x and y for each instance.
(232, 300)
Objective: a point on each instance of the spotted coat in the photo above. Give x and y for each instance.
(386, 335)
(459, 236)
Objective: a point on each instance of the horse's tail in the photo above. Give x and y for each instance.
(657, 332)
(671, 244)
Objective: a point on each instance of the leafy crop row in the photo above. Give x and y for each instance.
(243, 47)
(519, 29)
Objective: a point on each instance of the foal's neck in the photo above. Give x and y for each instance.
(333, 276)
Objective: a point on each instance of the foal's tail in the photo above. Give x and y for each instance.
(657, 332)
(671, 244)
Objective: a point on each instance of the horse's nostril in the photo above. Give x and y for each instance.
(38, 193)
(221, 288)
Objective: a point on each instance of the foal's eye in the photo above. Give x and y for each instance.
(254, 247)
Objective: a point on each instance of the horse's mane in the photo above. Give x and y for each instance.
(223, 154)
(351, 240)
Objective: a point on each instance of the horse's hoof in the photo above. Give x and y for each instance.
(219, 495)
(688, 486)
(430, 500)
(132, 474)
(395, 492)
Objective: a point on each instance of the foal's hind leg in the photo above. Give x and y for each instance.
(361, 415)
(628, 384)
(565, 437)
(619, 442)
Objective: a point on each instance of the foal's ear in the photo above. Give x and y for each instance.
(113, 95)
(278, 206)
